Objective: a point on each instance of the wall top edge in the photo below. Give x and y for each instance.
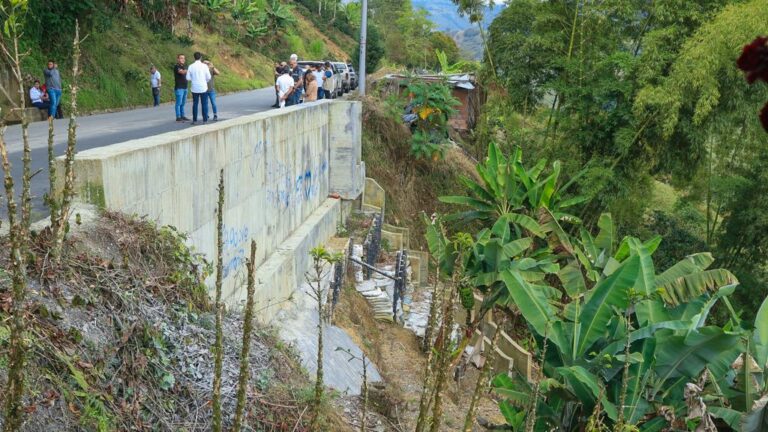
(117, 149)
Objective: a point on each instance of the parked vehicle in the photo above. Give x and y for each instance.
(339, 89)
(352, 77)
(344, 74)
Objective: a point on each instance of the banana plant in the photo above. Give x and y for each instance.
(603, 348)
(245, 10)
(455, 68)
(493, 252)
(751, 388)
(215, 6)
(277, 17)
(510, 190)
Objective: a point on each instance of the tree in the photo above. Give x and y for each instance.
(374, 52)
(743, 243)
(589, 71)
(703, 111)
(443, 42)
(405, 32)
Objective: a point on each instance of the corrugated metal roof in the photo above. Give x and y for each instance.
(464, 81)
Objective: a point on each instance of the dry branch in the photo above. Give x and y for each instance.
(219, 345)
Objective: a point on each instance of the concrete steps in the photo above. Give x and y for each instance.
(377, 290)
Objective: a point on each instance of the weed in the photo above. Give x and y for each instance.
(186, 40)
(316, 50)
(386, 245)
(341, 230)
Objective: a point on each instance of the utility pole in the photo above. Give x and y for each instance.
(363, 43)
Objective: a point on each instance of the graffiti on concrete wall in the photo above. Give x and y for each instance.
(284, 188)
(235, 240)
(258, 149)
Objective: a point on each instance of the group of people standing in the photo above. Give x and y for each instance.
(199, 78)
(48, 97)
(292, 82)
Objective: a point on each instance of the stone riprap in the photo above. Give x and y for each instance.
(279, 168)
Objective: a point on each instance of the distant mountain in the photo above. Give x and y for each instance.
(446, 18)
(470, 43)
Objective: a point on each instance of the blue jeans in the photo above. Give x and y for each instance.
(181, 100)
(295, 97)
(212, 96)
(320, 93)
(54, 98)
(196, 98)
(156, 95)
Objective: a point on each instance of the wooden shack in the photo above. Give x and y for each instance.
(464, 88)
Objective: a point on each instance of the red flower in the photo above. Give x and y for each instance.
(754, 60)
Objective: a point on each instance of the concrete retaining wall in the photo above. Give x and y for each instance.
(279, 169)
(510, 356)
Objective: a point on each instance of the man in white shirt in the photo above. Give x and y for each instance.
(38, 98)
(284, 86)
(155, 81)
(198, 74)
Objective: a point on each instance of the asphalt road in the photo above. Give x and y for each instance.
(112, 128)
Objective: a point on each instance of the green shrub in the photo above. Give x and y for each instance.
(316, 50)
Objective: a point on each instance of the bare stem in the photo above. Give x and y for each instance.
(443, 346)
(62, 217)
(19, 227)
(426, 388)
(482, 379)
(16, 350)
(530, 421)
(219, 344)
(242, 385)
(50, 199)
(444, 361)
(365, 393)
(317, 287)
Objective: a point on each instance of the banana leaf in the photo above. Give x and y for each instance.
(688, 287)
(760, 338)
(690, 264)
(532, 303)
(686, 356)
(610, 293)
(757, 419)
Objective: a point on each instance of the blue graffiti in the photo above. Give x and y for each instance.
(233, 239)
(234, 263)
(294, 189)
(234, 236)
